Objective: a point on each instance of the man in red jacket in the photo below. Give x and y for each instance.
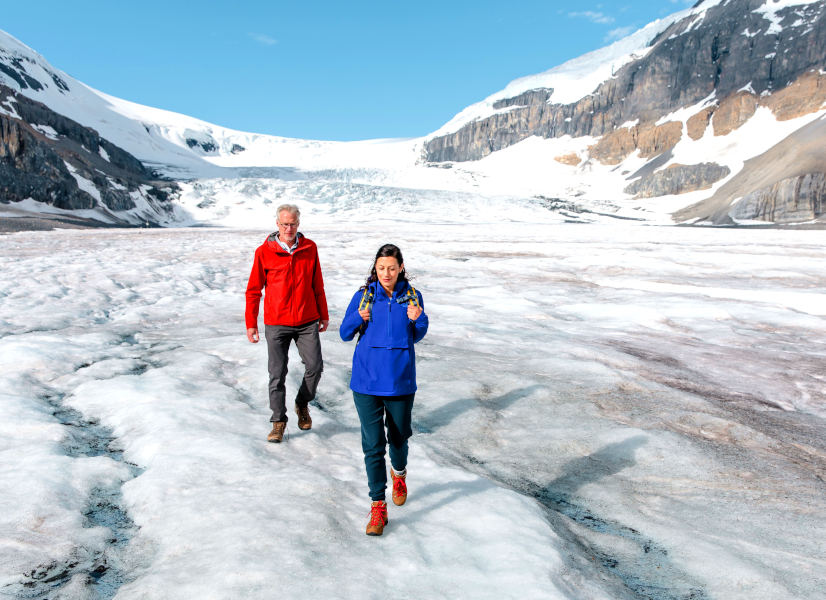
(295, 309)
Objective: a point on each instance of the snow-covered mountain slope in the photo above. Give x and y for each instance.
(175, 144)
(664, 109)
(574, 79)
(660, 123)
(171, 142)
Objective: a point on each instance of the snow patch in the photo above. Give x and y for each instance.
(84, 184)
(770, 9)
(46, 130)
(683, 114)
(10, 108)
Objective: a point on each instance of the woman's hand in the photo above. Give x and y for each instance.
(414, 312)
(365, 314)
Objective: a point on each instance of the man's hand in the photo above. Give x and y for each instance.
(414, 312)
(322, 325)
(252, 334)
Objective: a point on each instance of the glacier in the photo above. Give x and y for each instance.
(604, 411)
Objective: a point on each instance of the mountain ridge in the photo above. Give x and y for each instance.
(679, 109)
(725, 59)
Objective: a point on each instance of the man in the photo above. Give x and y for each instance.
(295, 309)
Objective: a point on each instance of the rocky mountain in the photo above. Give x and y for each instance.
(71, 153)
(705, 72)
(713, 115)
(49, 158)
(52, 159)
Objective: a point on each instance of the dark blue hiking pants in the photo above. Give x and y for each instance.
(376, 413)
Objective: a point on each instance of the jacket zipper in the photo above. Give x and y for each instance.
(291, 288)
(389, 308)
(293, 307)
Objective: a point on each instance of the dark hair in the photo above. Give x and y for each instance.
(385, 251)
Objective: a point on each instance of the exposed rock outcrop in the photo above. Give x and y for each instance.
(52, 159)
(525, 99)
(31, 169)
(572, 159)
(804, 95)
(791, 200)
(697, 124)
(782, 185)
(733, 112)
(15, 67)
(651, 140)
(677, 179)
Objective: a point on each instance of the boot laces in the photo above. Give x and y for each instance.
(378, 514)
(399, 486)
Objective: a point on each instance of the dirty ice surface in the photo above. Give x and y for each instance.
(603, 412)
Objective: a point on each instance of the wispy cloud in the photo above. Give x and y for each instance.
(619, 33)
(596, 17)
(263, 39)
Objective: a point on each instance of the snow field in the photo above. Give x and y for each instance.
(603, 412)
(218, 511)
(45, 491)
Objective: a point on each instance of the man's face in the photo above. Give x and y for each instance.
(287, 227)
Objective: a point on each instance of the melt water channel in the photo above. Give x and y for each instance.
(103, 570)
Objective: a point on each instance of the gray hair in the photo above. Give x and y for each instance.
(290, 208)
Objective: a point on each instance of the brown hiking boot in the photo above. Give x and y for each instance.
(378, 518)
(277, 433)
(399, 487)
(304, 420)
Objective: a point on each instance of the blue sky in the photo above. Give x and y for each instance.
(318, 69)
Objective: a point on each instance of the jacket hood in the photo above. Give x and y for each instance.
(398, 289)
(272, 241)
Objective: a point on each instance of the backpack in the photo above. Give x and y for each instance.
(367, 300)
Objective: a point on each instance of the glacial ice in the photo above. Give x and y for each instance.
(618, 411)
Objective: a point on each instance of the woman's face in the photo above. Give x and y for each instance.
(387, 270)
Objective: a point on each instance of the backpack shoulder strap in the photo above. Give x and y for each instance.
(365, 303)
(366, 299)
(414, 297)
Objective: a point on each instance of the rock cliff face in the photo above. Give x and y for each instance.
(49, 158)
(782, 185)
(791, 200)
(727, 62)
(729, 49)
(677, 179)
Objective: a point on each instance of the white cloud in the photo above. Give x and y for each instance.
(619, 33)
(263, 39)
(596, 17)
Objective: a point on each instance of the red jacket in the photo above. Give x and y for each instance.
(295, 288)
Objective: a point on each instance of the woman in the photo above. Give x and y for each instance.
(389, 317)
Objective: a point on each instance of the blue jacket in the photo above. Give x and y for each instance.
(384, 363)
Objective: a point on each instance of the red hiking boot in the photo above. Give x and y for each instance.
(399, 487)
(378, 518)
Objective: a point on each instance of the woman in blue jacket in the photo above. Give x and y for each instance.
(388, 314)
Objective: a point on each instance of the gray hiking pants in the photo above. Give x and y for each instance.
(309, 349)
